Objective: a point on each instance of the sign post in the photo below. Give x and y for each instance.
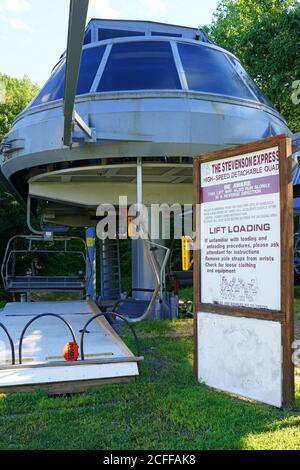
(243, 273)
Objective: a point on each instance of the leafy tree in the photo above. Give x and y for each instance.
(264, 35)
(17, 94)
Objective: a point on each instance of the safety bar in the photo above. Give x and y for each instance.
(296, 254)
(44, 230)
(12, 348)
(157, 271)
(138, 290)
(37, 318)
(103, 315)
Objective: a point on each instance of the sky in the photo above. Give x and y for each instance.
(33, 33)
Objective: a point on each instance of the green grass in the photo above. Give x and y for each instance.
(297, 311)
(165, 409)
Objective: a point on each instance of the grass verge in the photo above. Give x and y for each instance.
(166, 409)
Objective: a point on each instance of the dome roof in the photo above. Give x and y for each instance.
(122, 56)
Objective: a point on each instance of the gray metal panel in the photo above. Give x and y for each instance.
(77, 20)
(132, 126)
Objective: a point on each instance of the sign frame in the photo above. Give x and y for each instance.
(286, 314)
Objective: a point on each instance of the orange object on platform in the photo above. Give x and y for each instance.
(71, 352)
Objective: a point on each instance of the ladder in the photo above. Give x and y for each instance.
(110, 268)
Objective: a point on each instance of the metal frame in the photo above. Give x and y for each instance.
(176, 281)
(77, 20)
(37, 318)
(156, 271)
(157, 39)
(173, 42)
(296, 253)
(154, 94)
(46, 232)
(179, 66)
(99, 315)
(34, 238)
(12, 347)
(142, 26)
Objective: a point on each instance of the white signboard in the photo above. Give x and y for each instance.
(241, 356)
(240, 235)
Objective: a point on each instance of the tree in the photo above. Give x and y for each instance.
(15, 95)
(264, 35)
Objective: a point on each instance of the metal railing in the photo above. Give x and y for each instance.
(99, 315)
(37, 318)
(12, 348)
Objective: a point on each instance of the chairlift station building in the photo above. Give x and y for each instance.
(150, 90)
(149, 97)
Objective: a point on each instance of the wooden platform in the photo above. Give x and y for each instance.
(107, 358)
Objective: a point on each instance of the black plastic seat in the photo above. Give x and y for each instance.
(181, 279)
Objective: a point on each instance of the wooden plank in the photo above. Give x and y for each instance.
(287, 269)
(241, 149)
(65, 388)
(197, 259)
(120, 360)
(108, 328)
(242, 312)
(81, 373)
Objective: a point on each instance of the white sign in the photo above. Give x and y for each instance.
(241, 356)
(240, 235)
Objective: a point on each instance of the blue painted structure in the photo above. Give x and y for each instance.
(91, 266)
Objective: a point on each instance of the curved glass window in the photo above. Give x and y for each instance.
(90, 62)
(104, 34)
(87, 38)
(140, 66)
(250, 82)
(173, 35)
(54, 88)
(208, 70)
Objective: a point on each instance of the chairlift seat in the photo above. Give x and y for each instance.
(181, 279)
(29, 281)
(184, 277)
(21, 284)
(131, 307)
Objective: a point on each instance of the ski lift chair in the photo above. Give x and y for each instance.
(178, 278)
(297, 253)
(132, 307)
(31, 246)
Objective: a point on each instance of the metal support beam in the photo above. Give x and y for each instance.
(91, 265)
(83, 126)
(77, 21)
(139, 177)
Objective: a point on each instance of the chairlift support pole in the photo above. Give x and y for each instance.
(91, 263)
(77, 20)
